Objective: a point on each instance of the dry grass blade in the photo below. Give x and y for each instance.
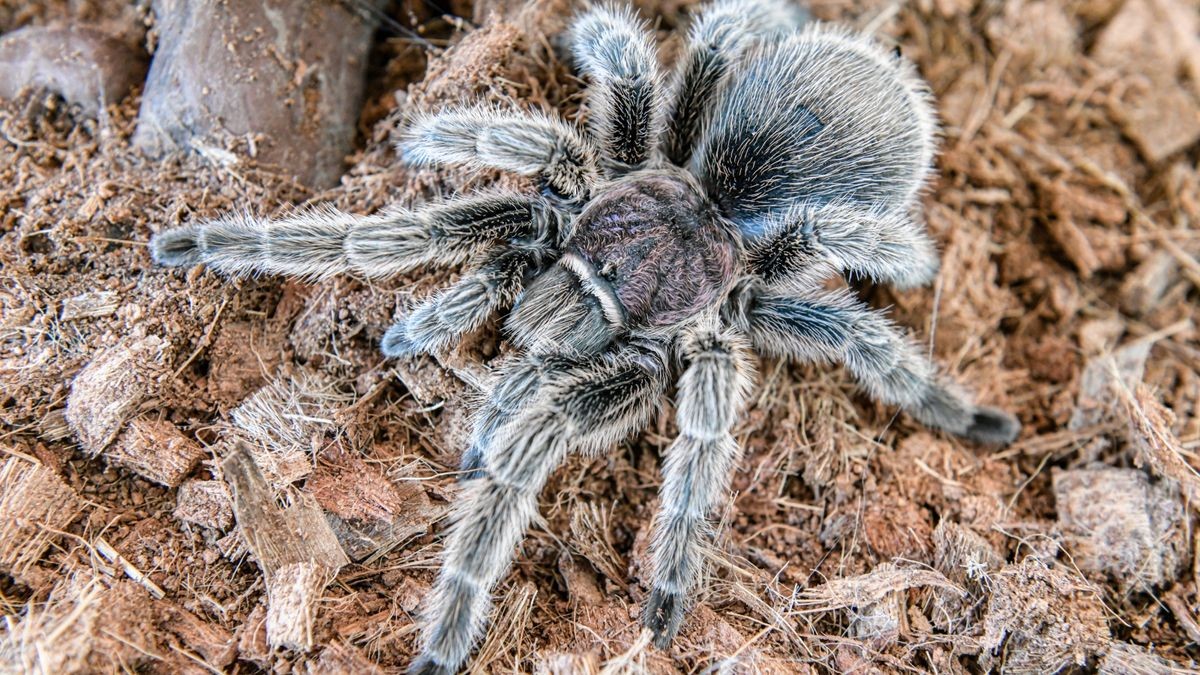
(1157, 445)
(870, 588)
(591, 537)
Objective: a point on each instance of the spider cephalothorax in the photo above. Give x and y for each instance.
(687, 226)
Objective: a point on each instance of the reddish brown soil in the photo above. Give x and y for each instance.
(1066, 205)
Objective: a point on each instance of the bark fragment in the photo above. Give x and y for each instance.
(297, 551)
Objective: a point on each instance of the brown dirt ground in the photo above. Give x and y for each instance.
(1066, 206)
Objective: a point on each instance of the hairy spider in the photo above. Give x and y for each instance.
(688, 225)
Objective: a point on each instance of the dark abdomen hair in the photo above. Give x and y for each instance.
(821, 116)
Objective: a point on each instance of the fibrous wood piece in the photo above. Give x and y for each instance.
(252, 638)
(1118, 523)
(292, 594)
(340, 658)
(85, 625)
(1122, 658)
(871, 588)
(205, 503)
(1149, 430)
(242, 355)
(1156, 41)
(874, 599)
(1096, 398)
(1146, 284)
(1074, 243)
(35, 504)
(90, 305)
(110, 389)
(568, 663)
(213, 643)
(295, 547)
(157, 450)
(969, 560)
(280, 421)
(1046, 619)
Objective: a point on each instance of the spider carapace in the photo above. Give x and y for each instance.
(652, 251)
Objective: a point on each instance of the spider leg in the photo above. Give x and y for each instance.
(838, 327)
(719, 32)
(513, 386)
(696, 472)
(586, 404)
(322, 242)
(812, 241)
(614, 49)
(564, 311)
(443, 319)
(532, 144)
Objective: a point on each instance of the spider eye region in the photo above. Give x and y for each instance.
(660, 246)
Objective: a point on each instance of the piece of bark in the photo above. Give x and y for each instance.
(295, 548)
(35, 504)
(1041, 619)
(205, 503)
(111, 388)
(157, 450)
(1156, 41)
(243, 355)
(212, 642)
(368, 512)
(252, 639)
(90, 305)
(1146, 284)
(1074, 243)
(340, 658)
(286, 76)
(1097, 398)
(1119, 524)
(1123, 658)
(83, 65)
(1149, 432)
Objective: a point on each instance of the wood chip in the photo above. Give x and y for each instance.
(111, 388)
(369, 513)
(89, 305)
(205, 503)
(157, 450)
(35, 505)
(295, 547)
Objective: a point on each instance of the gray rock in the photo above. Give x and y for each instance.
(83, 65)
(286, 76)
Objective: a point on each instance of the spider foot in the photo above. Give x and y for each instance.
(663, 615)
(396, 344)
(993, 427)
(428, 665)
(176, 248)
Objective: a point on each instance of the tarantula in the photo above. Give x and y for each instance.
(688, 225)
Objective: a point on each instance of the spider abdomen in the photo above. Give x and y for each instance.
(661, 248)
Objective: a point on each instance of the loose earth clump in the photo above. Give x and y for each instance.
(164, 433)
